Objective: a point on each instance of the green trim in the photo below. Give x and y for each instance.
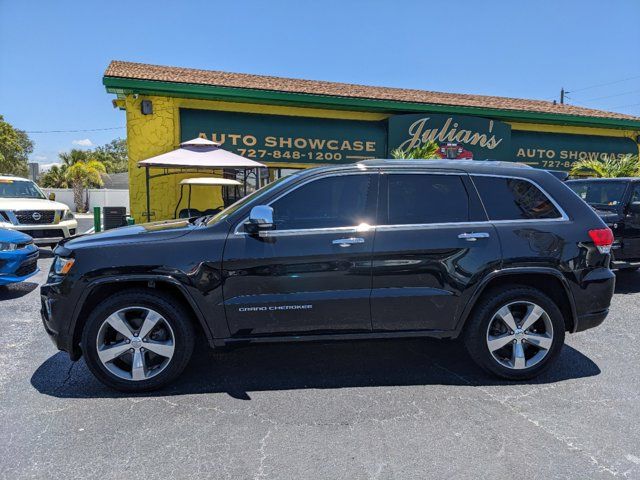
(124, 86)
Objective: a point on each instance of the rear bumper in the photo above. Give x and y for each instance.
(592, 297)
(590, 320)
(622, 264)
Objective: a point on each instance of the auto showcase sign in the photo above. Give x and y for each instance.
(557, 151)
(281, 139)
(285, 139)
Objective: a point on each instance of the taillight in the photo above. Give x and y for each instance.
(602, 238)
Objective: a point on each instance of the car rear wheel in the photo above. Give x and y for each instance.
(515, 333)
(137, 340)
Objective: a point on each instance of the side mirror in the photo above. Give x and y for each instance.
(52, 196)
(260, 219)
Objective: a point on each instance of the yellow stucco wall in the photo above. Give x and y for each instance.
(150, 135)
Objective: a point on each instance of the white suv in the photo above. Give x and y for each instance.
(24, 207)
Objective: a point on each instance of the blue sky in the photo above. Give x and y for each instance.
(53, 54)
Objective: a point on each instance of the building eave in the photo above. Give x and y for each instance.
(124, 86)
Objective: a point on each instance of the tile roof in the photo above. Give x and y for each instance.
(141, 71)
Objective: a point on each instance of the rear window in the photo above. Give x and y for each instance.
(514, 199)
(600, 193)
(421, 198)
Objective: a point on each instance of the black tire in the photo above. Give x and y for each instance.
(477, 326)
(174, 315)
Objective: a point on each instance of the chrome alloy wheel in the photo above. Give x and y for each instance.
(520, 335)
(135, 343)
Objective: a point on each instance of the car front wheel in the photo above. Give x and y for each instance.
(137, 340)
(515, 333)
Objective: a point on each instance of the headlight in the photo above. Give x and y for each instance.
(62, 265)
(7, 246)
(67, 215)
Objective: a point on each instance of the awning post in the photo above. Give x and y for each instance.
(146, 170)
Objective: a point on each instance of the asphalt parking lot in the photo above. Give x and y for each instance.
(400, 409)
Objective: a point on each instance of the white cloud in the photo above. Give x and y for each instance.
(39, 158)
(85, 142)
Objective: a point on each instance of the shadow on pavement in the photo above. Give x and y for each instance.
(242, 370)
(627, 282)
(16, 290)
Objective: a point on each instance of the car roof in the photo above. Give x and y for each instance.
(11, 177)
(614, 179)
(467, 166)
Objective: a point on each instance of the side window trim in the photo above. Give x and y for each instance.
(563, 215)
(310, 231)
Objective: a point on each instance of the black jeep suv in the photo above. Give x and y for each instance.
(506, 257)
(617, 202)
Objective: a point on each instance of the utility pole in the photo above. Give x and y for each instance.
(562, 92)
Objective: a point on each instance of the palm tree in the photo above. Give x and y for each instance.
(427, 150)
(82, 175)
(626, 166)
(74, 156)
(55, 177)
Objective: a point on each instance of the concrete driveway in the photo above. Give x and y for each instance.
(401, 409)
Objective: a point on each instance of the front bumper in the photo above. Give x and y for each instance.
(56, 312)
(18, 265)
(47, 234)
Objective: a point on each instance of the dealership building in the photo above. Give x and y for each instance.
(289, 124)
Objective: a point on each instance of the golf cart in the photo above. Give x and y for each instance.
(203, 181)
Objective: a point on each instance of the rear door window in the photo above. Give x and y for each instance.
(426, 198)
(507, 198)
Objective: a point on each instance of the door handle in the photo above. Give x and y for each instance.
(472, 237)
(347, 242)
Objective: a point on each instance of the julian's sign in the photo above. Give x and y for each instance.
(458, 136)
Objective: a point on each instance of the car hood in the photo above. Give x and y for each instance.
(13, 236)
(30, 204)
(145, 232)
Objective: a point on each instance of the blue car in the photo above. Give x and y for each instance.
(18, 257)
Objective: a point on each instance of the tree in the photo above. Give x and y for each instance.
(427, 150)
(114, 155)
(55, 177)
(15, 147)
(626, 166)
(82, 175)
(74, 156)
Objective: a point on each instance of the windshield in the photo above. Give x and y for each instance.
(243, 201)
(20, 189)
(605, 195)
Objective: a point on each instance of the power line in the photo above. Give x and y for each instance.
(611, 96)
(605, 84)
(76, 131)
(627, 105)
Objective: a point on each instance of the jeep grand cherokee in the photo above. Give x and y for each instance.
(506, 257)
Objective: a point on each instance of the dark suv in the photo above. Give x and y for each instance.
(617, 202)
(506, 257)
